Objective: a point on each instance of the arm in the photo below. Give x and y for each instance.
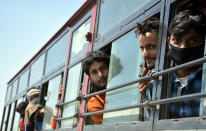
(94, 105)
(53, 123)
(144, 84)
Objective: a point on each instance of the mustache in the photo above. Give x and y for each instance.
(150, 58)
(103, 79)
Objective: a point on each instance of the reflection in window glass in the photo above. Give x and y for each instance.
(23, 81)
(52, 95)
(57, 53)
(15, 86)
(17, 118)
(5, 118)
(8, 95)
(79, 43)
(110, 15)
(72, 91)
(124, 67)
(10, 116)
(37, 70)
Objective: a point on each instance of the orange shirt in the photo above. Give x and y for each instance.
(21, 124)
(53, 123)
(96, 103)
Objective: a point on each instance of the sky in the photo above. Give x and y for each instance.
(25, 26)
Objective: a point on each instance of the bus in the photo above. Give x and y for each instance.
(109, 26)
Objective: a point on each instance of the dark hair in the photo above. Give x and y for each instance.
(93, 57)
(21, 106)
(149, 25)
(186, 20)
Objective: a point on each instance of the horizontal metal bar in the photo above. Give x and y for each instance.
(68, 102)
(177, 99)
(152, 76)
(114, 109)
(65, 118)
(149, 103)
(186, 65)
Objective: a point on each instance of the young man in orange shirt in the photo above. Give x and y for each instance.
(96, 66)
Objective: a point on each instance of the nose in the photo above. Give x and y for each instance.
(183, 44)
(145, 53)
(100, 74)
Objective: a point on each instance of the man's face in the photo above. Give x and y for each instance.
(98, 73)
(189, 39)
(148, 45)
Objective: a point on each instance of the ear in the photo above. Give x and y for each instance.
(168, 40)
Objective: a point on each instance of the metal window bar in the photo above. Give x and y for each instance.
(68, 102)
(65, 118)
(150, 103)
(147, 103)
(152, 76)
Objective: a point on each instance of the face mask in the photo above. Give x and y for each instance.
(183, 55)
(36, 100)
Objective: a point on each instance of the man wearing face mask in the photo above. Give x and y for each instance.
(34, 111)
(186, 43)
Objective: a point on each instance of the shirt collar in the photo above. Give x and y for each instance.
(192, 75)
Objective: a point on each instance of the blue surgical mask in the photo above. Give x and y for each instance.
(36, 100)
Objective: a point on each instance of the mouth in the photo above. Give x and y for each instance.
(150, 61)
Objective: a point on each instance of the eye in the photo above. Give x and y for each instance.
(176, 40)
(151, 47)
(141, 48)
(195, 41)
(94, 72)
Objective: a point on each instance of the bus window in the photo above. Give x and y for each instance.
(57, 53)
(5, 121)
(72, 91)
(51, 100)
(8, 95)
(186, 31)
(15, 86)
(124, 67)
(16, 117)
(79, 43)
(23, 81)
(10, 121)
(110, 15)
(37, 70)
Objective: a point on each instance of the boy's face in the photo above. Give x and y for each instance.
(190, 39)
(148, 45)
(98, 73)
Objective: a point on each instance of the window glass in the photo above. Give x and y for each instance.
(10, 116)
(23, 81)
(52, 96)
(15, 86)
(8, 96)
(5, 118)
(17, 118)
(79, 43)
(72, 91)
(37, 70)
(57, 53)
(110, 15)
(124, 67)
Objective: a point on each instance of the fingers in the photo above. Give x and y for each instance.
(60, 92)
(143, 87)
(144, 72)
